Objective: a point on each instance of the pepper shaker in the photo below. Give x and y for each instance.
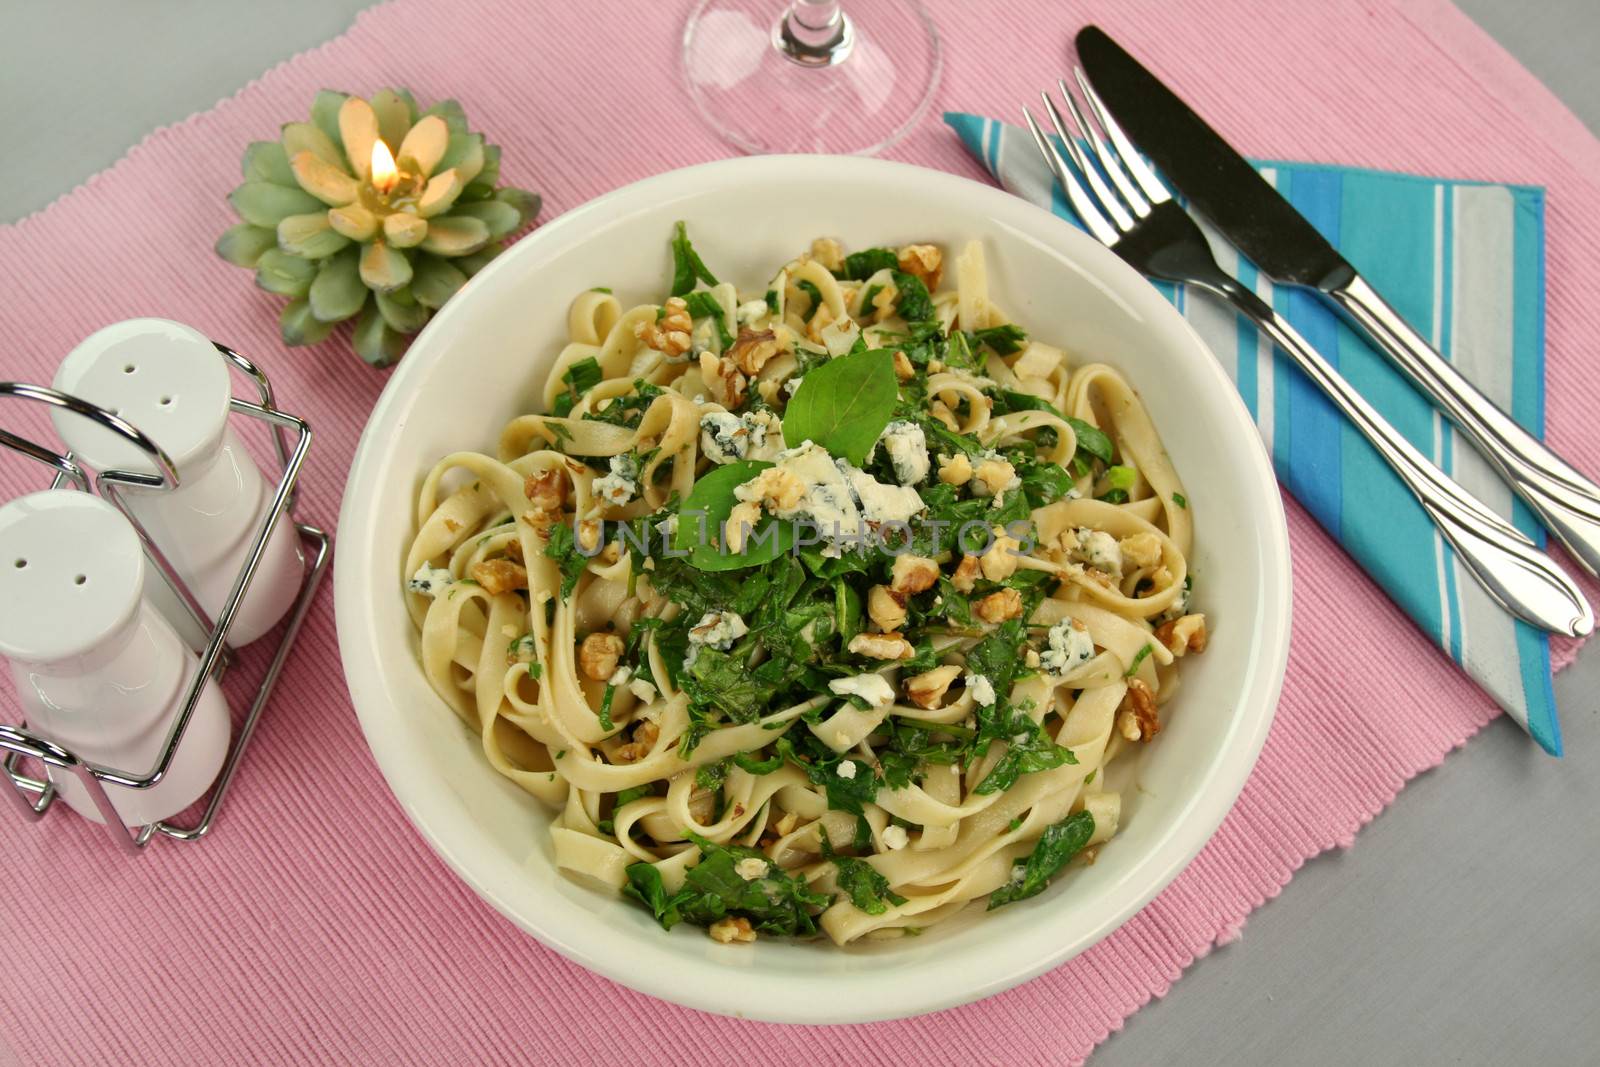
(169, 381)
(97, 669)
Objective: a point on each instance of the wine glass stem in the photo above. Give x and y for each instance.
(814, 32)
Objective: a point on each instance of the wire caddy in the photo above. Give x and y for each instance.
(291, 438)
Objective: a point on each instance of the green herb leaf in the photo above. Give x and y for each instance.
(1008, 401)
(622, 800)
(1138, 658)
(579, 378)
(776, 903)
(711, 775)
(1091, 440)
(1004, 340)
(704, 305)
(867, 889)
(748, 763)
(563, 548)
(913, 303)
(1180, 500)
(844, 404)
(811, 290)
(1058, 844)
(1120, 477)
(686, 264)
(859, 266)
(707, 508)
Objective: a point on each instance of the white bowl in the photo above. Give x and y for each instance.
(481, 361)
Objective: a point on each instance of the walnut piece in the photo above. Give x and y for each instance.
(882, 646)
(1000, 561)
(598, 656)
(886, 608)
(911, 575)
(966, 574)
(927, 689)
(775, 487)
(751, 350)
(955, 470)
(999, 606)
(993, 476)
(1142, 703)
(724, 383)
(1181, 635)
(1141, 550)
(829, 253)
(546, 491)
(589, 535)
(925, 262)
(741, 522)
(670, 334)
(735, 928)
(645, 736)
(903, 370)
(499, 576)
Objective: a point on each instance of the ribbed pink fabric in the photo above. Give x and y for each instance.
(314, 925)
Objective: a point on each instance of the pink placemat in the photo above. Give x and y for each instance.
(314, 925)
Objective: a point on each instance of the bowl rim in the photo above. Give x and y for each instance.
(751, 996)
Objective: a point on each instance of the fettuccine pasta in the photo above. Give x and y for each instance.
(818, 607)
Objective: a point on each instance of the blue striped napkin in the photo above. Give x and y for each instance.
(1463, 261)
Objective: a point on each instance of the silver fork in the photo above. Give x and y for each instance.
(1136, 217)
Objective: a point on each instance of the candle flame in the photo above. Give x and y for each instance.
(384, 172)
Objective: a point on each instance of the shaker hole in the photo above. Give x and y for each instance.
(129, 369)
(21, 563)
(80, 579)
(166, 401)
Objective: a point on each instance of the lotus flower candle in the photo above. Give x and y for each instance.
(371, 211)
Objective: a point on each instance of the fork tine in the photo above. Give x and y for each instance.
(1103, 152)
(1152, 186)
(1097, 223)
(1108, 200)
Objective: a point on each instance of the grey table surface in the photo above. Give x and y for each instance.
(1463, 927)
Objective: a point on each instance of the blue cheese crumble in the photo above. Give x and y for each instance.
(873, 688)
(727, 438)
(981, 688)
(1070, 648)
(717, 630)
(1099, 550)
(430, 581)
(907, 446)
(622, 484)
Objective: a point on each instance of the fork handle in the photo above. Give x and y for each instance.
(1522, 579)
(1566, 502)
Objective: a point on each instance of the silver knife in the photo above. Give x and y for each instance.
(1267, 229)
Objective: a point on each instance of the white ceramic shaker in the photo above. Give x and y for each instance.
(168, 380)
(97, 669)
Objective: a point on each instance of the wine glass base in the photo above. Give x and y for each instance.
(761, 94)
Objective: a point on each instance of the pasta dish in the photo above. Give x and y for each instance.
(817, 607)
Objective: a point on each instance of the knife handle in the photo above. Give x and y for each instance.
(1566, 502)
(1522, 579)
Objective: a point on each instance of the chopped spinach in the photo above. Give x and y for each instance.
(687, 267)
(1058, 844)
(859, 266)
(579, 378)
(775, 903)
(563, 548)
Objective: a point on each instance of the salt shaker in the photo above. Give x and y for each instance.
(97, 669)
(169, 381)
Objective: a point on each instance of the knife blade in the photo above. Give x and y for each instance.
(1271, 232)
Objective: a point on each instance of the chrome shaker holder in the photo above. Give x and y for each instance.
(291, 438)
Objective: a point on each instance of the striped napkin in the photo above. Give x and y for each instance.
(1464, 262)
